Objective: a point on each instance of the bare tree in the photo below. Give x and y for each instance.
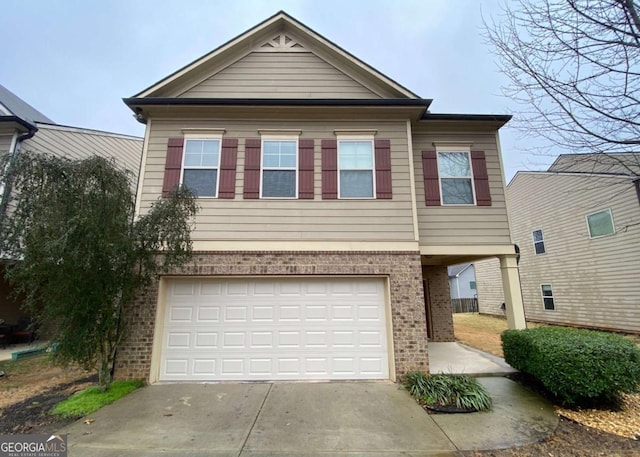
(574, 67)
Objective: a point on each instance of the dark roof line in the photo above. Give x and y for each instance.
(27, 125)
(467, 117)
(151, 101)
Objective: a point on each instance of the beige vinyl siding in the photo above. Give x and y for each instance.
(270, 219)
(595, 281)
(75, 143)
(489, 286)
(5, 142)
(462, 225)
(280, 75)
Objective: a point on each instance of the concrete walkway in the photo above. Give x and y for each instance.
(303, 419)
(460, 359)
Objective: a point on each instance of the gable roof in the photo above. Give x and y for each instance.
(13, 106)
(456, 270)
(620, 164)
(264, 30)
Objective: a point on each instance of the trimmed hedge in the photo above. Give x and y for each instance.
(580, 367)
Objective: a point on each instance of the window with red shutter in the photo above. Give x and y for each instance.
(173, 165)
(252, 168)
(481, 178)
(329, 169)
(228, 161)
(383, 169)
(305, 169)
(431, 181)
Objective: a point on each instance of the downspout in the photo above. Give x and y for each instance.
(636, 183)
(14, 153)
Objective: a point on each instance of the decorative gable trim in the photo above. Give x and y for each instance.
(283, 42)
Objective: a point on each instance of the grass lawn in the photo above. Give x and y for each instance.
(481, 332)
(92, 399)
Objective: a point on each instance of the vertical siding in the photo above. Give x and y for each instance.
(489, 283)
(596, 282)
(280, 75)
(270, 219)
(460, 225)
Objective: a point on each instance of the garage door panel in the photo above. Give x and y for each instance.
(272, 329)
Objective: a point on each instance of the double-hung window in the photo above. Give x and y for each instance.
(279, 177)
(456, 177)
(201, 165)
(538, 242)
(547, 297)
(356, 168)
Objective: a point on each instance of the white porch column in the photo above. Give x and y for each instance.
(512, 293)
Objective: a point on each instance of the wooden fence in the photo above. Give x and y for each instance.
(464, 305)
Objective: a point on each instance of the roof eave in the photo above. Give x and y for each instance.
(498, 119)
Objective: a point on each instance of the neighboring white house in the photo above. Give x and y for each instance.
(578, 229)
(462, 281)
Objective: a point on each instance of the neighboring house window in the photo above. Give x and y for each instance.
(456, 179)
(355, 168)
(279, 168)
(538, 242)
(600, 224)
(472, 285)
(547, 297)
(201, 165)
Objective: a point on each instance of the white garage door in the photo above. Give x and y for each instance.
(274, 329)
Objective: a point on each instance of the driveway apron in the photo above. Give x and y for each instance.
(261, 419)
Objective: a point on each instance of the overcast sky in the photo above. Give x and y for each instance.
(74, 60)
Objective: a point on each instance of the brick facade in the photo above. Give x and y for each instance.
(440, 314)
(402, 268)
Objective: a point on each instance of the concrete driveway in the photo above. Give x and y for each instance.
(281, 419)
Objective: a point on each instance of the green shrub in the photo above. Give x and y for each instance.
(460, 391)
(579, 367)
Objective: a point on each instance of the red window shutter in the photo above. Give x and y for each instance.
(252, 168)
(431, 183)
(173, 165)
(383, 169)
(329, 169)
(228, 159)
(480, 178)
(305, 173)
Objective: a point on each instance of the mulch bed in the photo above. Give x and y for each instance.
(32, 415)
(573, 440)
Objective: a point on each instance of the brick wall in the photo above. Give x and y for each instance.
(439, 303)
(403, 270)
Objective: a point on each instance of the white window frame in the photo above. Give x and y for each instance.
(295, 138)
(552, 297)
(613, 224)
(361, 138)
(204, 137)
(541, 241)
(445, 149)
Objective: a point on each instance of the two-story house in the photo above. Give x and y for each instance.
(578, 228)
(22, 129)
(332, 201)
